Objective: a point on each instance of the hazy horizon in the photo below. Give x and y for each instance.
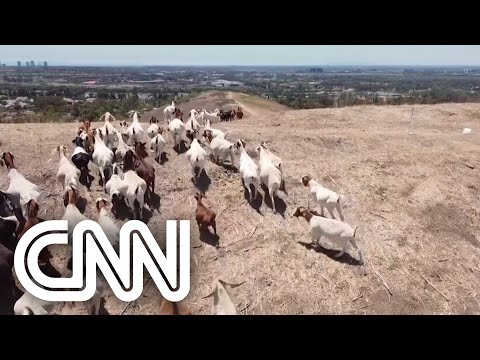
(243, 55)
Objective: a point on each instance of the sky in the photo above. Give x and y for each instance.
(139, 55)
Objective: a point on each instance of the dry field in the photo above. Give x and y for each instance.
(412, 187)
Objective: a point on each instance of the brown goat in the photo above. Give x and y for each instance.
(84, 127)
(71, 196)
(6, 159)
(177, 308)
(145, 170)
(207, 134)
(239, 113)
(90, 135)
(32, 220)
(178, 113)
(205, 217)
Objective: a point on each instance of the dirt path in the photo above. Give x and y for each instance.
(234, 96)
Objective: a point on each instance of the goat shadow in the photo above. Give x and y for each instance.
(83, 180)
(280, 205)
(154, 201)
(182, 148)
(257, 202)
(210, 238)
(203, 182)
(163, 158)
(146, 215)
(122, 211)
(346, 258)
(228, 166)
(102, 310)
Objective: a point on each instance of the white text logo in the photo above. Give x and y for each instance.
(83, 239)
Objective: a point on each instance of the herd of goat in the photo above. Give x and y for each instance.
(128, 181)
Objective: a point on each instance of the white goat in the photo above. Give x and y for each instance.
(18, 184)
(108, 130)
(270, 175)
(193, 113)
(204, 115)
(192, 124)
(158, 144)
(107, 224)
(168, 112)
(124, 130)
(248, 169)
(31, 305)
(215, 132)
(122, 148)
(152, 130)
(176, 127)
(336, 231)
(102, 155)
(72, 213)
(323, 197)
(116, 185)
(196, 155)
(135, 131)
(68, 174)
(116, 188)
(277, 161)
(220, 147)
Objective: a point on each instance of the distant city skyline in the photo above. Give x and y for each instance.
(243, 55)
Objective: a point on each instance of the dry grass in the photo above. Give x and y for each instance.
(412, 195)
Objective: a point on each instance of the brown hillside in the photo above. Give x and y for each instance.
(411, 187)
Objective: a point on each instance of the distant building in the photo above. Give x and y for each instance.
(471, 71)
(19, 63)
(226, 83)
(4, 65)
(27, 64)
(32, 63)
(70, 101)
(45, 64)
(316, 70)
